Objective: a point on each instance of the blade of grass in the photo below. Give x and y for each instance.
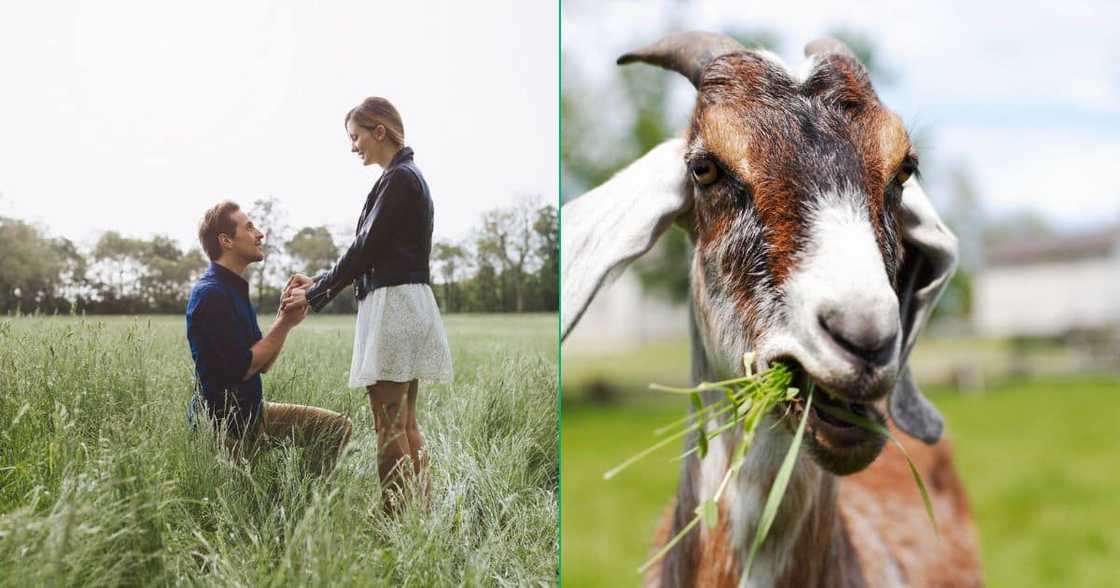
(709, 512)
(715, 433)
(723, 408)
(709, 385)
(778, 489)
(661, 552)
(749, 419)
(702, 438)
(749, 398)
(662, 443)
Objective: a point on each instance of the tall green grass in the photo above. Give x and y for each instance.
(102, 483)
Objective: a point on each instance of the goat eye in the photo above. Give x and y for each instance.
(908, 168)
(704, 172)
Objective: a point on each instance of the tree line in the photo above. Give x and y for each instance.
(508, 263)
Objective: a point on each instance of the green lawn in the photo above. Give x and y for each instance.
(102, 483)
(1039, 460)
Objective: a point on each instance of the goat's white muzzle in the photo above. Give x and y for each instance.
(842, 315)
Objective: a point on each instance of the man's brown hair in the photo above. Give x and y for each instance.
(216, 221)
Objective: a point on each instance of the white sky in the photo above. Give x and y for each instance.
(137, 116)
(1024, 94)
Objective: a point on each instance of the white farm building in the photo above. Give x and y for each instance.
(1050, 287)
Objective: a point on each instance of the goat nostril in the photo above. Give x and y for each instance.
(860, 339)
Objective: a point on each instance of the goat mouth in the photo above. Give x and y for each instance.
(836, 445)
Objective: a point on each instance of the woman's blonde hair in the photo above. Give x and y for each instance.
(375, 111)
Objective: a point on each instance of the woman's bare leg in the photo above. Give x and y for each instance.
(388, 401)
(415, 439)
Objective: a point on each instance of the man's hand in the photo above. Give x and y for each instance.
(293, 307)
(294, 298)
(295, 281)
(268, 348)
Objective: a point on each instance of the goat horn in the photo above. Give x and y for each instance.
(685, 53)
(826, 45)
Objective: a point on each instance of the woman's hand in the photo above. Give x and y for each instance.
(295, 281)
(294, 297)
(292, 314)
(299, 281)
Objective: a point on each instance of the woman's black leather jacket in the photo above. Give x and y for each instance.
(393, 241)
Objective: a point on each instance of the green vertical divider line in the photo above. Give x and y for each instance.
(559, 293)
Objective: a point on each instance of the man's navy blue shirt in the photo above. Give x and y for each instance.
(221, 329)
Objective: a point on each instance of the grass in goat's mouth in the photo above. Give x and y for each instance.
(746, 401)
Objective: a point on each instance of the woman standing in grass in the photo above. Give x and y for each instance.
(399, 339)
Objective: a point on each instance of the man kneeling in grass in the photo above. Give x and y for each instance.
(230, 355)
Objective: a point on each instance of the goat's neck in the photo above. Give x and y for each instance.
(806, 533)
(806, 542)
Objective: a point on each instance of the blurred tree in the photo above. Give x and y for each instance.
(961, 211)
(312, 250)
(646, 91)
(268, 216)
(956, 301)
(31, 266)
(484, 289)
(343, 236)
(75, 288)
(134, 275)
(507, 236)
(580, 168)
(167, 274)
(490, 250)
(547, 227)
(451, 258)
(117, 267)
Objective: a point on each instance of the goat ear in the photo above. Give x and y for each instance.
(617, 222)
(929, 260)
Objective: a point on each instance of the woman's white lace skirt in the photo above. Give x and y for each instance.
(399, 337)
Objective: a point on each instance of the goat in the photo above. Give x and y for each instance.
(814, 245)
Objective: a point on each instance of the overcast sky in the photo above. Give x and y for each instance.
(1026, 95)
(137, 116)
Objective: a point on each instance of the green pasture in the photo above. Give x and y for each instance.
(1038, 458)
(102, 483)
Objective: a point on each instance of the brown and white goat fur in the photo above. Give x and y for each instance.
(813, 244)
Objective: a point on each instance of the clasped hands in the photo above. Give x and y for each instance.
(293, 300)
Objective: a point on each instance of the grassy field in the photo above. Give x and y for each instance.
(102, 483)
(1038, 459)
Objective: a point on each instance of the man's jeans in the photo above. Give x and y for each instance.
(324, 431)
